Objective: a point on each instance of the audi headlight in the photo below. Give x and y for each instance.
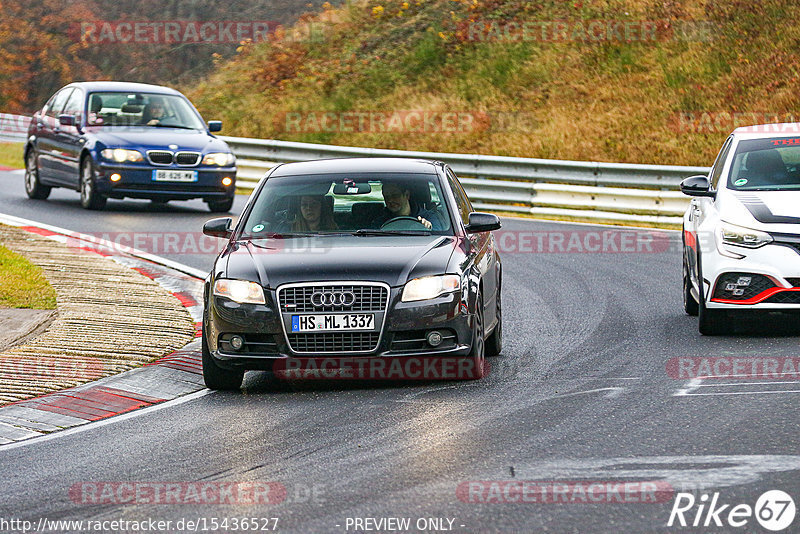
(221, 159)
(240, 291)
(430, 287)
(730, 234)
(121, 155)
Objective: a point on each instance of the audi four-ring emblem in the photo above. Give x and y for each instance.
(333, 298)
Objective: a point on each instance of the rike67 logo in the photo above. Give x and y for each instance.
(774, 510)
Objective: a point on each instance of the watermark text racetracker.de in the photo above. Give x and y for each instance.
(419, 121)
(734, 367)
(589, 31)
(712, 122)
(508, 242)
(182, 243)
(585, 242)
(564, 492)
(105, 32)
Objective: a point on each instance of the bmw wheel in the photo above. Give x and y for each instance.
(220, 206)
(90, 198)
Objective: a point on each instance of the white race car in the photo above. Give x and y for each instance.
(741, 232)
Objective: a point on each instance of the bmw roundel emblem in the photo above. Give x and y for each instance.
(173, 147)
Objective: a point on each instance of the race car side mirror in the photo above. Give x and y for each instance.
(697, 186)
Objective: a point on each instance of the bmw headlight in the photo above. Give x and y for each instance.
(430, 287)
(121, 155)
(239, 291)
(730, 234)
(220, 159)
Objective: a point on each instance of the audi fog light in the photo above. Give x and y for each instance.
(430, 287)
(237, 342)
(434, 338)
(240, 291)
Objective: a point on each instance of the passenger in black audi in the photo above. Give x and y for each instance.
(391, 282)
(397, 198)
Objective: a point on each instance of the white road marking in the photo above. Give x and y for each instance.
(692, 386)
(683, 473)
(612, 392)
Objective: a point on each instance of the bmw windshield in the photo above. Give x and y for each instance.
(374, 204)
(141, 110)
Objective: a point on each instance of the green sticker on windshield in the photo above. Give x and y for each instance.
(258, 228)
(740, 182)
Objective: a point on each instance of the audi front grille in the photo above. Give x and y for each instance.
(298, 299)
(335, 297)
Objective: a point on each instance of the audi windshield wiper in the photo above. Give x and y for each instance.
(391, 232)
(276, 235)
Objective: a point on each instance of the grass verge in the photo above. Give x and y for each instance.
(23, 284)
(11, 155)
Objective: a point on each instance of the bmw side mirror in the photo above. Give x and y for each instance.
(697, 186)
(214, 126)
(482, 222)
(219, 228)
(66, 120)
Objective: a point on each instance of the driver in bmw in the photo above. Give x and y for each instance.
(398, 204)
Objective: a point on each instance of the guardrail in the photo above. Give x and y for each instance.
(592, 191)
(13, 128)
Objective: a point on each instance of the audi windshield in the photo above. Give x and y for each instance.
(384, 204)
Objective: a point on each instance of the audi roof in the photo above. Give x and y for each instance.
(356, 165)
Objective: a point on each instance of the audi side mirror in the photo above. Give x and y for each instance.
(482, 222)
(219, 228)
(214, 126)
(697, 186)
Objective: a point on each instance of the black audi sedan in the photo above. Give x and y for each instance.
(119, 139)
(356, 268)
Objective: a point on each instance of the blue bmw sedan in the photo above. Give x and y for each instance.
(118, 139)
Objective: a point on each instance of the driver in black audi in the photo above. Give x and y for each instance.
(399, 204)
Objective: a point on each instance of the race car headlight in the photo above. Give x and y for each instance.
(220, 159)
(730, 234)
(430, 287)
(121, 155)
(240, 291)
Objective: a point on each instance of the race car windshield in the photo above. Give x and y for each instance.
(766, 165)
(141, 110)
(358, 204)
